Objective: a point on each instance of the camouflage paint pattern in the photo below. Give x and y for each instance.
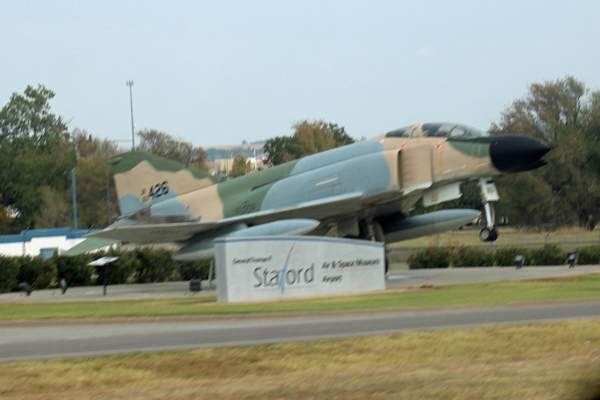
(158, 190)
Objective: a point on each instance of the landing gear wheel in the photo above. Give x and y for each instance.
(488, 235)
(485, 234)
(494, 236)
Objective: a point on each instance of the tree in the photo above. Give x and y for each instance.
(86, 145)
(241, 166)
(6, 218)
(279, 149)
(27, 123)
(164, 145)
(91, 179)
(340, 137)
(561, 113)
(309, 137)
(34, 152)
(91, 175)
(57, 210)
(526, 198)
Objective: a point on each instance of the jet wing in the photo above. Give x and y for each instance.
(314, 209)
(173, 232)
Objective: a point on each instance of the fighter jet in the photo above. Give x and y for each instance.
(363, 190)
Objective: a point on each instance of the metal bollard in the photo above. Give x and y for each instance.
(572, 259)
(195, 285)
(519, 261)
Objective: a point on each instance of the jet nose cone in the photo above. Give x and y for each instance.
(517, 153)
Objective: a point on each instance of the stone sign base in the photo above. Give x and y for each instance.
(261, 268)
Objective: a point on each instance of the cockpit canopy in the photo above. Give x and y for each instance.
(446, 130)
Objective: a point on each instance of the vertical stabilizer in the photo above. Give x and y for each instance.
(143, 179)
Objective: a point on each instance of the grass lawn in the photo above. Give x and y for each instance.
(558, 360)
(479, 293)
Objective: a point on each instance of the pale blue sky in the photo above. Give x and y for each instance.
(220, 72)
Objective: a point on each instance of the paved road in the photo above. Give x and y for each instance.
(397, 280)
(43, 340)
(79, 340)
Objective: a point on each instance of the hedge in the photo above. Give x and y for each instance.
(589, 254)
(430, 257)
(36, 271)
(464, 256)
(505, 256)
(9, 272)
(142, 265)
(550, 254)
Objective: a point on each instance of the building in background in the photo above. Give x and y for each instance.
(220, 158)
(41, 242)
(222, 166)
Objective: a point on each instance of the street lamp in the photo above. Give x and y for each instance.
(130, 84)
(74, 195)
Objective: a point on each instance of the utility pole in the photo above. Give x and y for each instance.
(107, 190)
(130, 84)
(74, 196)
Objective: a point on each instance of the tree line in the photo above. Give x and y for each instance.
(38, 151)
(566, 192)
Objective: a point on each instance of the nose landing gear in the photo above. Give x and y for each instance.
(488, 194)
(488, 234)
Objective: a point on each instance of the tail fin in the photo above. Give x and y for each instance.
(143, 179)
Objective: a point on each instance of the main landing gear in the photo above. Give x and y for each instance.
(368, 229)
(488, 194)
(371, 230)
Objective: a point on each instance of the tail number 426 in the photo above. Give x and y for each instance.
(154, 191)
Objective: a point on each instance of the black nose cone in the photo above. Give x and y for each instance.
(517, 153)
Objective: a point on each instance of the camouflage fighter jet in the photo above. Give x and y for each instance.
(363, 190)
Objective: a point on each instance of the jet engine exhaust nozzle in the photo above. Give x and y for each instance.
(517, 153)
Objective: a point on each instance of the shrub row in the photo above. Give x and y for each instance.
(142, 265)
(464, 256)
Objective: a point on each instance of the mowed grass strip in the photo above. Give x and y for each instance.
(558, 360)
(480, 293)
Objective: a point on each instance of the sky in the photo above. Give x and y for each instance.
(220, 72)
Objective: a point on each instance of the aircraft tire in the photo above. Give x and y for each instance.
(494, 235)
(488, 234)
(485, 234)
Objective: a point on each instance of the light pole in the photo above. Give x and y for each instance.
(74, 196)
(130, 84)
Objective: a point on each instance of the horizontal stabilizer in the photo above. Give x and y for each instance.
(89, 244)
(148, 233)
